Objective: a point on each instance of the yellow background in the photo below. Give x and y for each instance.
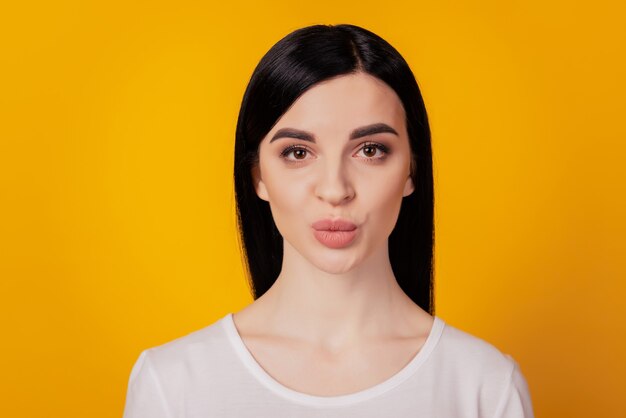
(117, 228)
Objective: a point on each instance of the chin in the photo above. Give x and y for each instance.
(335, 263)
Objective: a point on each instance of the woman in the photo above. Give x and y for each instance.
(334, 191)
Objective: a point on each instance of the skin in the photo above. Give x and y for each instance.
(335, 321)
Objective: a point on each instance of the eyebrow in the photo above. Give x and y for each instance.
(372, 129)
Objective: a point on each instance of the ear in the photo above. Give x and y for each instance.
(259, 185)
(409, 187)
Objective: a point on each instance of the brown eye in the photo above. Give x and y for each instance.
(298, 152)
(369, 150)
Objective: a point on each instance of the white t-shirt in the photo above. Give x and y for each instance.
(210, 373)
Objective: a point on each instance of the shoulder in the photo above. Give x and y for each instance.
(479, 369)
(198, 349)
(160, 373)
(473, 354)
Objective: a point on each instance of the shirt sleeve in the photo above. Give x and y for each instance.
(144, 396)
(515, 401)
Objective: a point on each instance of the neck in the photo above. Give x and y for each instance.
(340, 305)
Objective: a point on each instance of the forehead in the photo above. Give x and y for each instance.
(340, 104)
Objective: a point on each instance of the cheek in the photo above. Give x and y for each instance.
(287, 198)
(383, 197)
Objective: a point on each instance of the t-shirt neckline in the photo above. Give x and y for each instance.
(266, 379)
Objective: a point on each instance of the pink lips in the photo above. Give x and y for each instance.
(334, 234)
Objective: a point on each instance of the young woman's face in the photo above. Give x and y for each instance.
(341, 151)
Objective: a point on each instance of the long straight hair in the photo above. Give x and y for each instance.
(294, 64)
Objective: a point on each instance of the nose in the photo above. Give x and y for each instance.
(334, 185)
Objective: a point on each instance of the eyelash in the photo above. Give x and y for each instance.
(381, 147)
